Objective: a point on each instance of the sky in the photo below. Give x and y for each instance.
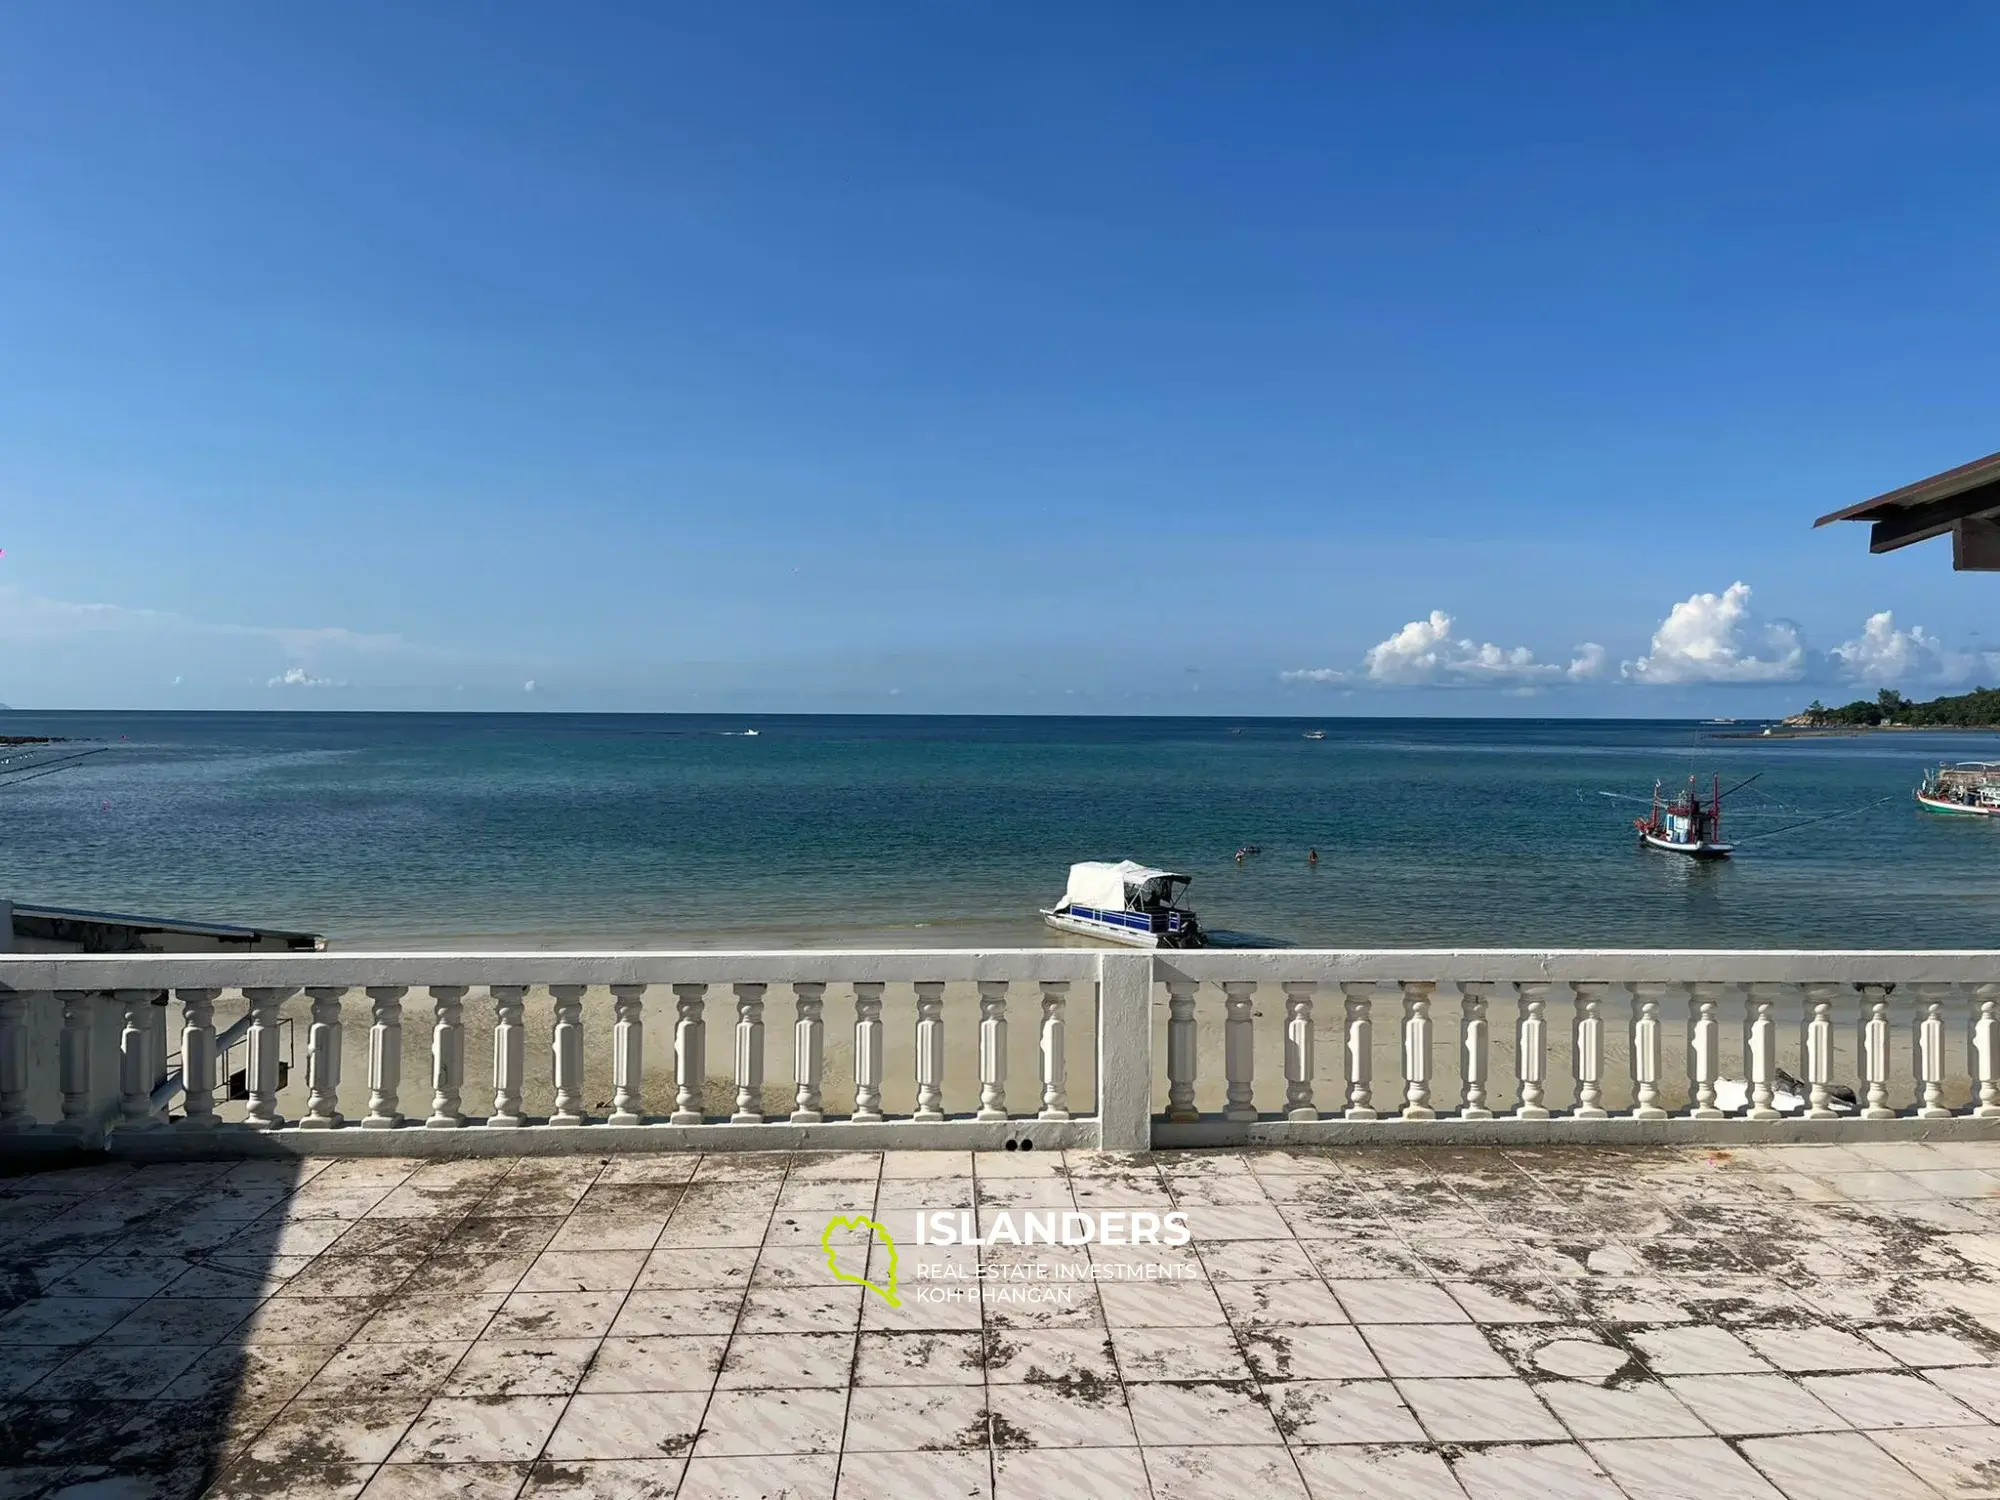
(1330, 359)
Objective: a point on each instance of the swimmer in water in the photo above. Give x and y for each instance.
(1312, 856)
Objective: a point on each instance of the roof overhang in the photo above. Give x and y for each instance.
(1963, 502)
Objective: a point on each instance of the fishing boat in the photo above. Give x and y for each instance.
(1684, 824)
(1126, 902)
(1970, 788)
(1315, 734)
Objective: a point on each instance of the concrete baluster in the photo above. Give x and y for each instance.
(1299, 1050)
(322, 1060)
(13, 1055)
(1359, 997)
(566, 1054)
(262, 1067)
(510, 1056)
(1760, 1050)
(385, 1057)
(868, 1055)
(930, 1051)
(447, 1057)
(690, 1052)
(628, 1055)
(1475, 1045)
(1929, 1051)
(1238, 1055)
(749, 1054)
(1874, 1050)
(1587, 1050)
(1984, 1047)
(1531, 1051)
(135, 1059)
(808, 1051)
(1646, 1049)
(1054, 1044)
(1816, 1046)
(74, 1061)
(197, 1058)
(992, 1049)
(1182, 1066)
(1417, 1050)
(1705, 1051)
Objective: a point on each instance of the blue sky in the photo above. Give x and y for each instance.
(1330, 359)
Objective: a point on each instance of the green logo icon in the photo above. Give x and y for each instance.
(886, 1293)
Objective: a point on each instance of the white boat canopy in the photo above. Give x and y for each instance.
(1124, 886)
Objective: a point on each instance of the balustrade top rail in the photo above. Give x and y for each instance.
(107, 971)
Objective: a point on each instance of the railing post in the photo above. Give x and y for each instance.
(1182, 1060)
(1475, 1040)
(13, 1050)
(1587, 1049)
(1359, 996)
(749, 1054)
(1704, 1051)
(1929, 1052)
(73, 1062)
(385, 1057)
(135, 1058)
(566, 1054)
(1417, 1049)
(690, 1052)
(261, 1067)
(1054, 1050)
(1646, 1051)
(867, 1052)
(1817, 1047)
(1874, 1050)
(930, 1051)
(1299, 1050)
(1124, 1051)
(322, 1060)
(1531, 1051)
(510, 1056)
(992, 1049)
(447, 1057)
(1760, 1051)
(628, 1055)
(808, 1051)
(1984, 1045)
(1239, 1061)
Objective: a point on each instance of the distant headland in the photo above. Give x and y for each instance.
(1890, 710)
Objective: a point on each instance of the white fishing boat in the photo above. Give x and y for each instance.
(1127, 903)
(1685, 824)
(1971, 788)
(1315, 734)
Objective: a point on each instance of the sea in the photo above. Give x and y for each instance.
(686, 831)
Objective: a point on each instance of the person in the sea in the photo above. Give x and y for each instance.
(1312, 856)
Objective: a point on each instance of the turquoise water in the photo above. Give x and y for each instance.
(667, 830)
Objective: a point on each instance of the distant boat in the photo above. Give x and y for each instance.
(1127, 903)
(1315, 734)
(1971, 788)
(749, 734)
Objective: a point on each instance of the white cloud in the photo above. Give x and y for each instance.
(300, 677)
(1882, 653)
(528, 686)
(1715, 638)
(1425, 653)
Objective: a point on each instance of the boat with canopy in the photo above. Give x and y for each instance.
(1126, 902)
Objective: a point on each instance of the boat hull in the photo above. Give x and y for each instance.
(1958, 809)
(1701, 850)
(1090, 927)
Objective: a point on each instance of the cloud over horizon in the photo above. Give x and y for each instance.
(1714, 638)
(1425, 653)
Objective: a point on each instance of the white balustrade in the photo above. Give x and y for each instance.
(80, 1046)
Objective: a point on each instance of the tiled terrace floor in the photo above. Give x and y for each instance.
(1812, 1322)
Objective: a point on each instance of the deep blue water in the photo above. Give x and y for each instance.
(676, 829)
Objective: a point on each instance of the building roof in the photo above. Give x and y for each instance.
(1964, 502)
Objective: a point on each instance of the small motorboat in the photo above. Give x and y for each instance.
(1315, 734)
(1684, 824)
(1125, 902)
(1971, 788)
